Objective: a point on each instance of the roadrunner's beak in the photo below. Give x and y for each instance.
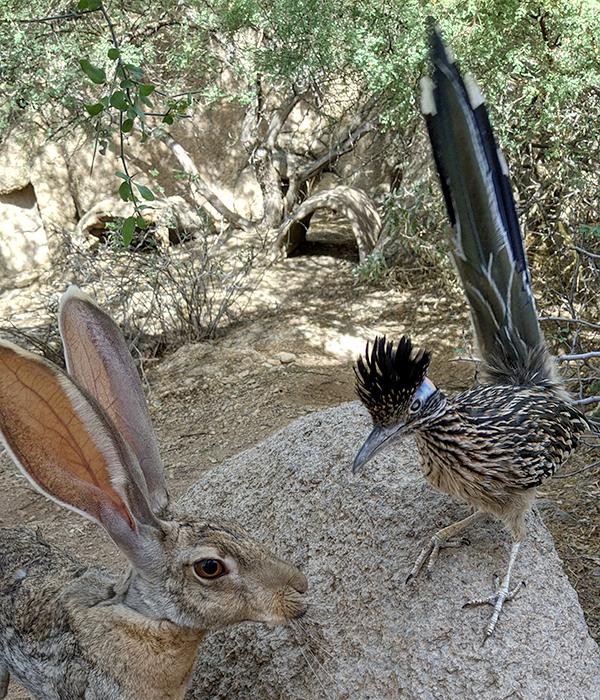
(378, 438)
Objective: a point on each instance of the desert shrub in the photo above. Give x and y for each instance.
(162, 297)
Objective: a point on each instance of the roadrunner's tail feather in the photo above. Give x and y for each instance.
(488, 245)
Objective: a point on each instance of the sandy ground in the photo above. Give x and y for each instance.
(212, 400)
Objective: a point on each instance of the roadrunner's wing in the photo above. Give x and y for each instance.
(488, 245)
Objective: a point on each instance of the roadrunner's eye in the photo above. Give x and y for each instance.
(415, 405)
(209, 568)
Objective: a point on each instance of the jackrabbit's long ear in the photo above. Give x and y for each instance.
(98, 359)
(69, 449)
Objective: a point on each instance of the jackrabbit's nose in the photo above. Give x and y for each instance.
(299, 582)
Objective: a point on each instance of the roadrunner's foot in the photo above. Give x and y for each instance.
(430, 553)
(441, 540)
(502, 595)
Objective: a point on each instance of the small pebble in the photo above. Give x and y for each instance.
(286, 358)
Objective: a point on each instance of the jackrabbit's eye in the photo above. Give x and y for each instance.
(209, 568)
(415, 405)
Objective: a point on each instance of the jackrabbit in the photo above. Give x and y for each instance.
(85, 440)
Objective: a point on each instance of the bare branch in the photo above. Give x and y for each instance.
(340, 149)
(264, 166)
(586, 402)
(578, 471)
(312, 169)
(578, 357)
(51, 18)
(199, 187)
(350, 202)
(588, 253)
(279, 119)
(581, 322)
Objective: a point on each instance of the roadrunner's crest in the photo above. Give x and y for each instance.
(388, 376)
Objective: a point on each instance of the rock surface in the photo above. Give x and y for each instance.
(369, 635)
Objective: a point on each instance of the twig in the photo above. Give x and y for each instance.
(469, 360)
(578, 471)
(111, 27)
(589, 254)
(560, 319)
(580, 356)
(51, 18)
(587, 401)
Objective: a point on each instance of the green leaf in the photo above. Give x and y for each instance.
(89, 5)
(135, 71)
(146, 89)
(127, 126)
(95, 74)
(128, 229)
(140, 222)
(119, 101)
(168, 119)
(122, 175)
(590, 230)
(114, 53)
(127, 84)
(146, 192)
(145, 101)
(154, 172)
(94, 109)
(125, 191)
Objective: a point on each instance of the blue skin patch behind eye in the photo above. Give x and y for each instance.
(426, 390)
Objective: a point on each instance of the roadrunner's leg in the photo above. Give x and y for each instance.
(440, 540)
(502, 595)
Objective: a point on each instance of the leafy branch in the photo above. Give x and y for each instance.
(129, 96)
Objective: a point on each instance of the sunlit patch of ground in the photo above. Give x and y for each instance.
(212, 400)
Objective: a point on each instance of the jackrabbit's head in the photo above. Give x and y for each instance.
(216, 575)
(85, 440)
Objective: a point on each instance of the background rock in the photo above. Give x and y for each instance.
(368, 635)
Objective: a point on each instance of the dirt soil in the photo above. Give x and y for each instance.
(292, 354)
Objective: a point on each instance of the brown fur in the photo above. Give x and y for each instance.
(68, 627)
(68, 631)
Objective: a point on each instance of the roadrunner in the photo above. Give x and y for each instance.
(494, 445)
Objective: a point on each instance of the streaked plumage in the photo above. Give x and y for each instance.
(493, 445)
(504, 439)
